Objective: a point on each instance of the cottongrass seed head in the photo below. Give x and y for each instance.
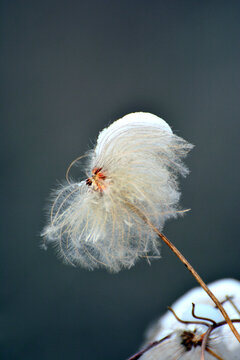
(132, 176)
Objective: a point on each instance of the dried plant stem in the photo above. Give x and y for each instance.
(188, 266)
(197, 277)
(214, 354)
(233, 305)
(204, 342)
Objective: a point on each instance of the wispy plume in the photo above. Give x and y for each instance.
(132, 176)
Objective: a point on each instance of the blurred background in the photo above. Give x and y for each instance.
(69, 68)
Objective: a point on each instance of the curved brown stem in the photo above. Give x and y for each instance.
(228, 298)
(200, 317)
(189, 267)
(204, 341)
(198, 278)
(211, 352)
(188, 322)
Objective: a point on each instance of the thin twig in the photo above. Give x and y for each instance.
(208, 332)
(229, 298)
(198, 278)
(148, 347)
(186, 321)
(189, 267)
(204, 341)
(199, 317)
(214, 354)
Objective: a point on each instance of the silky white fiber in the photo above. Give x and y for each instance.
(132, 176)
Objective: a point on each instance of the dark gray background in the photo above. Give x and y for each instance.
(68, 69)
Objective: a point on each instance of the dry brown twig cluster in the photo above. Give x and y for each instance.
(197, 334)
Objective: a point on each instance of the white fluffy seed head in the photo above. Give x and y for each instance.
(174, 337)
(132, 170)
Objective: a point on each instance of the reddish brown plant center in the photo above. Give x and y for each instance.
(97, 180)
(190, 339)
